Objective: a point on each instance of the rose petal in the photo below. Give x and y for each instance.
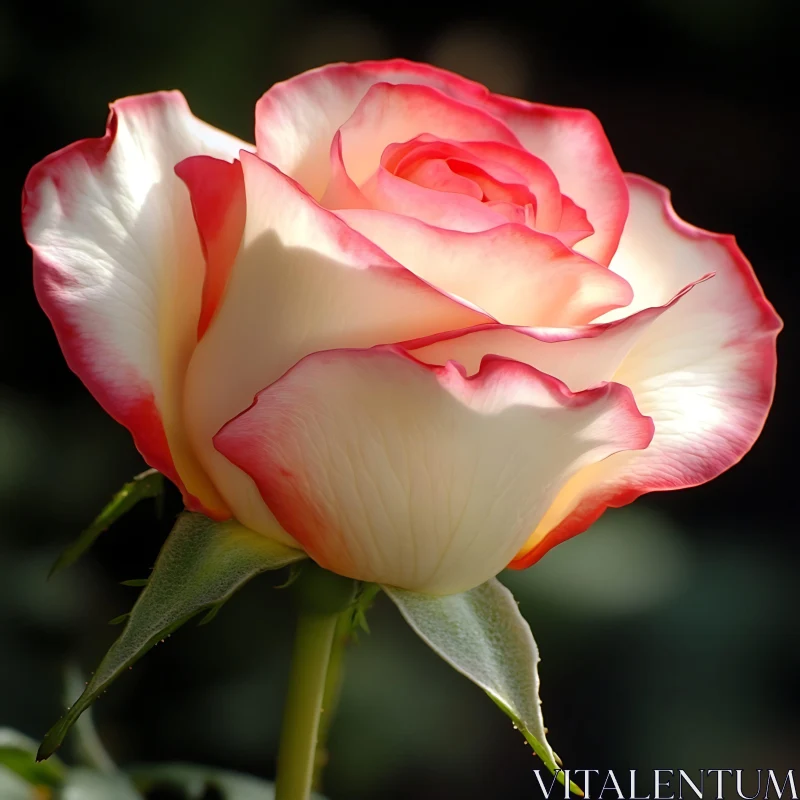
(302, 281)
(397, 113)
(391, 114)
(517, 275)
(580, 357)
(219, 205)
(456, 212)
(386, 192)
(118, 268)
(704, 370)
(296, 120)
(492, 188)
(574, 225)
(437, 174)
(536, 175)
(391, 471)
(573, 144)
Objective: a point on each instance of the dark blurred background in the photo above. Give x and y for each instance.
(669, 633)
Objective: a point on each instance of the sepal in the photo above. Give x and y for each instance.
(482, 635)
(201, 565)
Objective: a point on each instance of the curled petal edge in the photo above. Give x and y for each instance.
(759, 354)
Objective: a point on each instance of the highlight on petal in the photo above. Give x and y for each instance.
(302, 281)
(389, 470)
(118, 268)
(517, 275)
(704, 370)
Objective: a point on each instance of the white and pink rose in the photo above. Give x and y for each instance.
(419, 330)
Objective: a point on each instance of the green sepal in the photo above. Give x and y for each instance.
(367, 592)
(146, 484)
(135, 582)
(17, 755)
(482, 635)
(120, 619)
(294, 574)
(201, 565)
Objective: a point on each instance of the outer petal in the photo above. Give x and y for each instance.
(392, 471)
(519, 276)
(580, 357)
(704, 371)
(119, 270)
(302, 281)
(220, 209)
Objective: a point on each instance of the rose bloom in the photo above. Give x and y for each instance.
(421, 331)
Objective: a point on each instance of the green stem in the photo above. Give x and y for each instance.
(330, 696)
(297, 752)
(322, 598)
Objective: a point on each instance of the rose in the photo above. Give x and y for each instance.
(467, 332)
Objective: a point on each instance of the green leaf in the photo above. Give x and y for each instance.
(195, 781)
(482, 634)
(146, 484)
(364, 599)
(201, 565)
(85, 784)
(17, 755)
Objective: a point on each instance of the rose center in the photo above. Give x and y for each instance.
(446, 167)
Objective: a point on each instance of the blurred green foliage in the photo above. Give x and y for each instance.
(668, 633)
